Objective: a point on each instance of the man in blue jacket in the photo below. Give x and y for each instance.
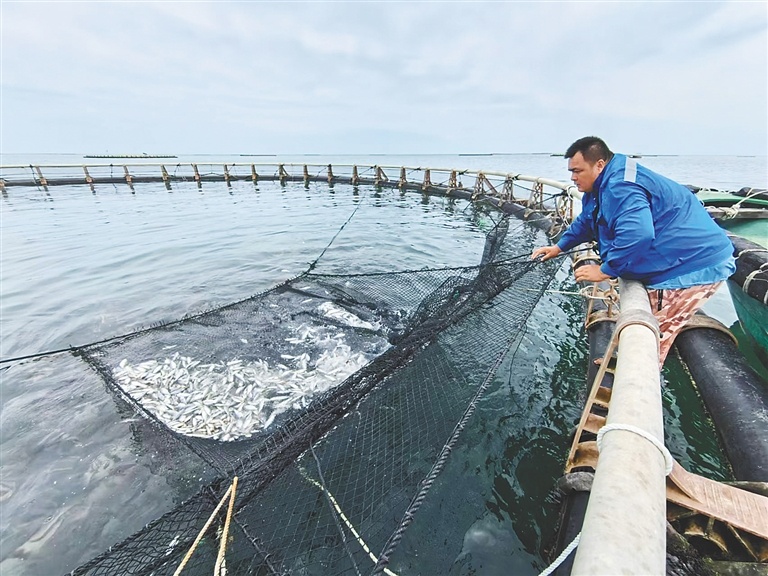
(647, 228)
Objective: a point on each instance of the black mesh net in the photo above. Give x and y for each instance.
(335, 399)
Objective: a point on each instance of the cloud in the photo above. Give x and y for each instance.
(228, 76)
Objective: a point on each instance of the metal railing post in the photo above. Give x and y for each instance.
(624, 529)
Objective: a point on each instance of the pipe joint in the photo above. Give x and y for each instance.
(636, 316)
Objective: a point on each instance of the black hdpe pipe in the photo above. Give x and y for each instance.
(751, 267)
(575, 486)
(734, 394)
(736, 398)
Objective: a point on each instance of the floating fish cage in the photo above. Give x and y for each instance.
(327, 405)
(335, 399)
(496, 187)
(311, 437)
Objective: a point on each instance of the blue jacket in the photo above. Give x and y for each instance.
(648, 227)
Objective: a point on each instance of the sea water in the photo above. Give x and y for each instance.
(79, 266)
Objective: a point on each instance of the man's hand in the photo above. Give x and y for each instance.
(590, 273)
(546, 252)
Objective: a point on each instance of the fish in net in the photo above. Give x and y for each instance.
(334, 398)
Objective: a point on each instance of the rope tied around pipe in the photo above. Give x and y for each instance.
(733, 210)
(669, 462)
(609, 295)
(752, 276)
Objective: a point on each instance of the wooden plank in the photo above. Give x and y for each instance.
(741, 509)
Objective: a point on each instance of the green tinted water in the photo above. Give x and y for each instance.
(80, 266)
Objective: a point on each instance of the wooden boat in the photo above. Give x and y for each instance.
(743, 212)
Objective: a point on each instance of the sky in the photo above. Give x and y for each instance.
(390, 77)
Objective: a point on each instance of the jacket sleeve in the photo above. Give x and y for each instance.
(631, 226)
(580, 230)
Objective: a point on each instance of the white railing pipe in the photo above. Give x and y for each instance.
(624, 530)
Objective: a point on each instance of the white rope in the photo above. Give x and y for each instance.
(733, 210)
(750, 251)
(346, 521)
(668, 461)
(219, 568)
(751, 276)
(583, 292)
(204, 529)
(753, 192)
(589, 293)
(563, 555)
(730, 212)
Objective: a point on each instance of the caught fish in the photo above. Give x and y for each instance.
(335, 312)
(235, 399)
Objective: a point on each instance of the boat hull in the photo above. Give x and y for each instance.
(753, 317)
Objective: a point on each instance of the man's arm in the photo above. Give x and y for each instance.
(578, 232)
(590, 273)
(546, 252)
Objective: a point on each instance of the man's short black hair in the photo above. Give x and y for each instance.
(592, 148)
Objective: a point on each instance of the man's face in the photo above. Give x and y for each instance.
(584, 174)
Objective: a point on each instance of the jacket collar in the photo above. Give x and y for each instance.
(610, 167)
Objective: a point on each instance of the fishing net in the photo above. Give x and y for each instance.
(334, 398)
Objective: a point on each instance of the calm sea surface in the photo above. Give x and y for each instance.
(78, 266)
